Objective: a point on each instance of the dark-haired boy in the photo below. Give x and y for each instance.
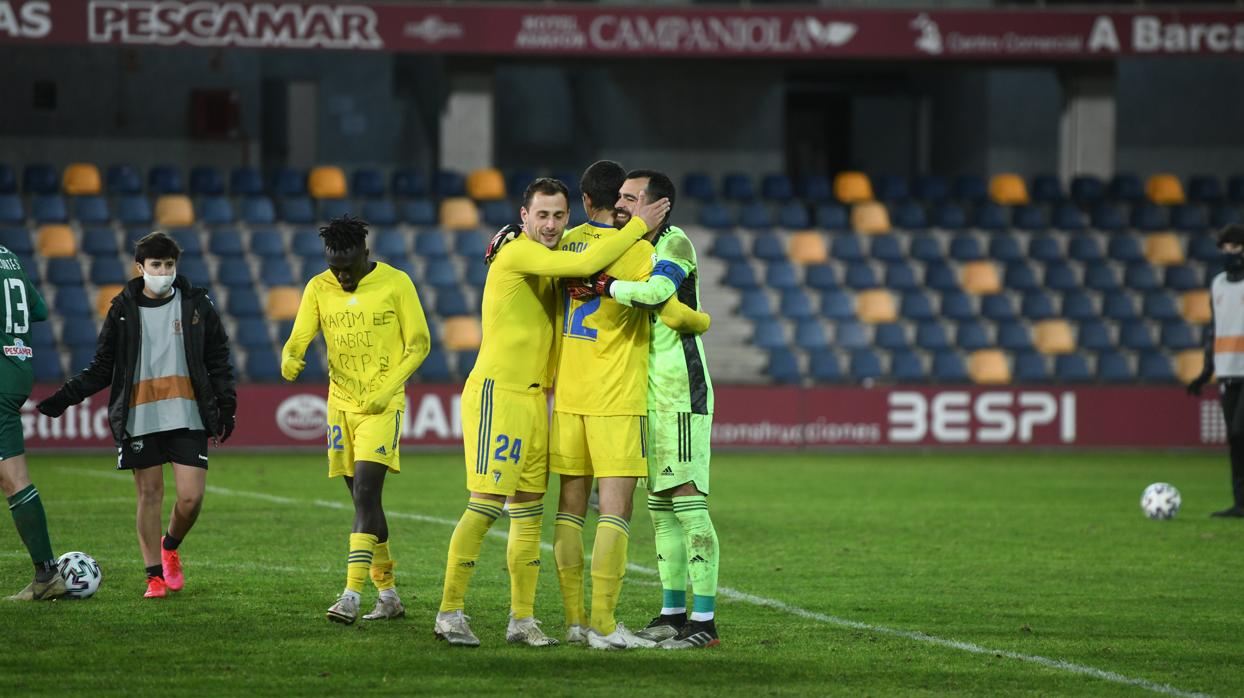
(165, 355)
(377, 336)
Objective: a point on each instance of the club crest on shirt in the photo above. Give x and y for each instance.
(136, 446)
(496, 476)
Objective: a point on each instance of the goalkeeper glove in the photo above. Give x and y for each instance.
(502, 236)
(587, 289)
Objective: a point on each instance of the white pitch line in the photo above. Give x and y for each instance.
(764, 602)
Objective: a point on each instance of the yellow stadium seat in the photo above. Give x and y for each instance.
(1165, 190)
(989, 367)
(81, 178)
(104, 296)
(327, 182)
(808, 247)
(1195, 306)
(459, 213)
(981, 278)
(56, 240)
(1008, 189)
(1054, 337)
(876, 306)
(1163, 249)
(852, 187)
(282, 302)
(486, 184)
(174, 211)
(1188, 364)
(870, 218)
(462, 332)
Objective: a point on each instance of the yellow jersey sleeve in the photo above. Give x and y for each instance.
(385, 391)
(525, 256)
(306, 326)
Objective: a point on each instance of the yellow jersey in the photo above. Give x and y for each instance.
(520, 305)
(602, 365)
(376, 337)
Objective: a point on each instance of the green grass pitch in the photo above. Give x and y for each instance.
(860, 574)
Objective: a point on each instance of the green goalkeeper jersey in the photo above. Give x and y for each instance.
(678, 378)
(20, 306)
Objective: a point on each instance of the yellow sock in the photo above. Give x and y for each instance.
(464, 548)
(382, 567)
(568, 552)
(359, 560)
(608, 568)
(523, 556)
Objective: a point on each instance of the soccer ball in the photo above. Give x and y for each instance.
(1160, 501)
(81, 573)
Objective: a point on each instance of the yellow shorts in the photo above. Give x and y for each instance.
(613, 446)
(362, 437)
(505, 438)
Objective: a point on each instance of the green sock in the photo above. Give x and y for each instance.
(32, 524)
(671, 555)
(702, 552)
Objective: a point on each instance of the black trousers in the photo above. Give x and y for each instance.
(1233, 412)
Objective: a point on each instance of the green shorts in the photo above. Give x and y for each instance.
(679, 449)
(11, 441)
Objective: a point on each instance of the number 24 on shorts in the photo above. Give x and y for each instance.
(503, 445)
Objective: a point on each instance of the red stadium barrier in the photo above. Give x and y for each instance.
(280, 416)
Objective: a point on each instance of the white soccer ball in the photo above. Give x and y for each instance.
(1160, 501)
(81, 573)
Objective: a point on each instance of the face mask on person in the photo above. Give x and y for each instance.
(159, 285)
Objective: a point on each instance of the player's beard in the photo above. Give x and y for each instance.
(620, 218)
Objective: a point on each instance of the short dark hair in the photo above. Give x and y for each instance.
(547, 186)
(344, 233)
(660, 186)
(1233, 233)
(601, 182)
(156, 245)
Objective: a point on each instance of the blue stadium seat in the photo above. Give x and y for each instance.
(389, 243)
(793, 215)
(8, 180)
(235, 275)
(41, 337)
(1222, 216)
(997, 307)
(307, 244)
(890, 187)
(1190, 218)
(1114, 367)
(971, 188)
(821, 277)
(832, 217)
(906, 366)
(72, 303)
(448, 183)
(1125, 248)
(1155, 367)
(916, 305)
(1037, 305)
(824, 366)
(1126, 186)
(776, 187)
(465, 361)
(1205, 189)
(837, 305)
(91, 210)
(258, 210)
(1136, 334)
(122, 179)
(193, 269)
(80, 358)
(865, 365)
(11, 209)
(737, 186)
(245, 181)
(432, 244)
(971, 334)
(49, 209)
(79, 334)
(900, 276)
(860, 275)
(848, 248)
(740, 275)
(850, 334)
(164, 179)
(297, 209)
(100, 242)
(715, 216)
(783, 367)
(1087, 189)
(1013, 335)
(727, 246)
(380, 212)
(18, 240)
(435, 368)
(770, 333)
(815, 188)
(64, 271)
(262, 365)
(1045, 248)
(314, 371)
(698, 186)
(1178, 335)
(1203, 248)
(1046, 189)
(108, 270)
(949, 215)
(31, 269)
(215, 210)
(419, 212)
(890, 336)
(1031, 367)
(755, 215)
(1072, 368)
(1079, 305)
(497, 213)
(406, 265)
(932, 335)
(939, 276)
(1019, 276)
(1108, 218)
(225, 242)
(908, 215)
(966, 247)
(781, 275)
(949, 367)
(408, 183)
(252, 332)
(188, 240)
(1160, 305)
(931, 188)
(40, 179)
(336, 208)
(1029, 217)
(206, 181)
(133, 235)
(450, 302)
(470, 244)
(268, 244)
(367, 183)
(1068, 217)
(1181, 278)
(769, 248)
(476, 273)
(990, 216)
(1141, 276)
(285, 182)
(1147, 217)
(1004, 247)
(1101, 276)
(1119, 305)
(1060, 276)
(1235, 189)
(926, 248)
(755, 304)
(441, 276)
(886, 248)
(276, 272)
(1084, 248)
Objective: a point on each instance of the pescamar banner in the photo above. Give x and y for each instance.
(611, 30)
(280, 416)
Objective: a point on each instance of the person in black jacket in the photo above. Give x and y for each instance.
(165, 356)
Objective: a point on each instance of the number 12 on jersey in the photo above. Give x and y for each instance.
(572, 323)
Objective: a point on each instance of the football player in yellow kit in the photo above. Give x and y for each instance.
(504, 406)
(376, 336)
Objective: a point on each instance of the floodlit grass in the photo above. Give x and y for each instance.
(1041, 555)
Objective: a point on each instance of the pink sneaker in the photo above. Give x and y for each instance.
(172, 569)
(156, 588)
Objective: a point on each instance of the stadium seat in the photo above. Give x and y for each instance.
(989, 367)
(824, 366)
(932, 335)
(215, 210)
(821, 277)
(966, 247)
(497, 213)
(861, 275)
(740, 275)
(1046, 189)
(276, 272)
(1181, 278)
(755, 304)
(174, 211)
(948, 367)
(1084, 248)
(1195, 307)
(931, 188)
(814, 189)
(777, 187)
(287, 181)
(307, 244)
(245, 181)
(847, 248)
(832, 217)
(940, 276)
(379, 212)
(715, 216)
(876, 306)
(1222, 216)
(947, 215)
(695, 185)
(1178, 335)
(889, 187)
(122, 179)
(104, 293)
(908, 215)
(407, 182)
(1068, 217)
(462, 333)
(1126, 186)
(40, 179)
(64, 271)
(418, 212)
(1094, 334)
(768, 247)
(886, 248)
(1108, 218)
(1101, 276)
(755, 216)
(81, 179)
(11, 209)
(793, 215)
(459, 213)
(389, 244)
(1072, 368)
(367, 183)
(1031, 367)
(1136, 334)
(281, 303)
(783, 366)
(72, 304)
(891, 336)
(56, 240)
(258, 210)
(770, 334)
(1189, 218)
(327, 182)
(1147, 217)
(262, 365)
(1008, 189)
(899, 276)
(1205, 189)
(1114, 367)
(808, 247)
(997, 307)
(870, 218)
(1019, 276)
(981, 277)
(269, 245)
(1141, 276)
(916, 305)
(1188, 364)
(1053, 336)
(487, 184)
(470, 244)
(465, 361)
(435, 368)
(864, 365)
(450, 184)
(852, 187)
(8, 180)
(165, 179)
(906, 366)
(1079, 305)
(737, 186)
(781, 275)
(99, 242)
(957, 304)
(990, 217)
(336, 208)
(193, 269)
(1203, 248)
(83, 334)
(1029, 217)
(235, 275)
(49, 209)
(1087, 190)
(188, 240)
(1037, 305)
(970, 188)
(297, 209)
(1155, 367)
(1013, 335)
(91, 210)
(251, 333)
(838, 305)
(1119, 305)
(442, 276)
(849, 334)
(19, 242)
(206, 181)
(727, 246)
(1165, 190)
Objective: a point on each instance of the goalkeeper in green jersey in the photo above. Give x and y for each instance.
(680, 420)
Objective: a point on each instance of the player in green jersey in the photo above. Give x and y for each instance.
(20, 306)
(680, 420)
